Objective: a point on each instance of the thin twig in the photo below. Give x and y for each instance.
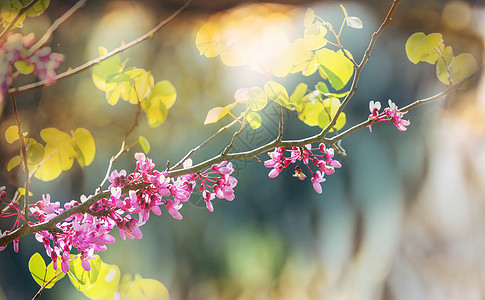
(212, 137)
(86, 65)
(56, 24)
(359, 68)
(23, 150)
(22, 11)
(234, 137)
(280, 125)
(123, 149)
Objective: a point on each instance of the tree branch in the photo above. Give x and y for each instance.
(56, 24)
(149, 34)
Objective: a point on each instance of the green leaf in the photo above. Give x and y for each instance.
(22, 191)
(13, 162)
(144, 143)
(84, 146)
(254, 120)
(309, 17)
(277, 93)
(35, 153)
(24, 67)
(301, 57)
(421, 47)
(127, 75)
(337, 67)
(155, 110)
(99, 283)
(314, 37)
(217, 113)
(38, 8)
(296, 97)
(322, 87)
(331, 106)
(12, 134)
(142, 288)
(43, 274)
(107, 68)
(354, 22)
(255, 97)
(51, 168)
(311, 107)
(62, 142)
(80, 278)
(165, 92)
(461, 67)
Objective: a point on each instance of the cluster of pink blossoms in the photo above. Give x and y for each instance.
(324, 162)
(15, 50)
(126, 208)
(390, 113)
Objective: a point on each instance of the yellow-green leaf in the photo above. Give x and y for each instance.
(330, 109)
(104, 69)
(217, 113)
(24, 67)
(301, 57)
(337, 67)
(441, 67)
(42, 273)
(255, 97)
(309, 17)
(80, 278)
(103, 287)
(12, 134)
(35, 153)
(254, 120)
(165, 91)
(421, 47)
(144, 143)
(142, 288)
(297, 96)
(461, 67)
(38, 8)
(84, 145)
(22, 191)
(13, 162)
(206, 39)
(314, 37)
(277, 93)
(155, 110)
(51, 168)
(310, 109)
(62, 142)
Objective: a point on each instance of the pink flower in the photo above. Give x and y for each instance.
(173, 209)
(395, 116)
(117, 179)
(390, 113)
(316, 179)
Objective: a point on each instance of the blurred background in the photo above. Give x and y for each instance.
(402, 219)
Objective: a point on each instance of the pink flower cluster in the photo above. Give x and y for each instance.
(324, 162)
(132, 198)
(15, 50)
(390, 113)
